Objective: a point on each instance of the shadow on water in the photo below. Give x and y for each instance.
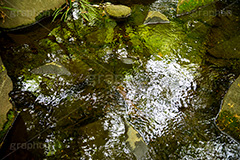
(158, 78)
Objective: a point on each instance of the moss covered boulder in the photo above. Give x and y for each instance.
(25, 12)
(187, 6)
(228, 119)
(5, 87)
(118, 11)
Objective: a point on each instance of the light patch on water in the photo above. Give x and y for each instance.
(168, 6)
(208, 150)
(108, 136)
(159, 92)
(122, 52)
(31, 85)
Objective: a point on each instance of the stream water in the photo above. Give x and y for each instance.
(158, 78)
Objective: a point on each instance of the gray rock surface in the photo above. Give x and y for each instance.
(136, 142)
(26, 11)
(5, 87)
(54, 68)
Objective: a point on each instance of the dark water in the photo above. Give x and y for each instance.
(159, 78)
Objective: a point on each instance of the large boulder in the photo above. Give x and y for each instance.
(228, 119)
(5, 87)
(25, 12)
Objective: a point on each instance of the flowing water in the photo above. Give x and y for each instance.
(155, 78)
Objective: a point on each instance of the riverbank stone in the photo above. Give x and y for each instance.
(228, 119)
(155, 17)
(5, 87)
(117, 11)
(25, 12)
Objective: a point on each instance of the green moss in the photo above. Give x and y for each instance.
(2, 68)
(43, 15)
(10, 119)
(190, 5)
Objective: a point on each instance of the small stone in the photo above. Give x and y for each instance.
(155, 17)
(118, 11)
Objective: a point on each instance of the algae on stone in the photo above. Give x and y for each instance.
(186, 6)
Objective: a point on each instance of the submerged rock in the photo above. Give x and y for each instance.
(118, 11)
(25, 12)
(187, 6)
(5, 87)
(135, 141)
(52, 68)
(155, 17)
(229, 49)
(228, 119)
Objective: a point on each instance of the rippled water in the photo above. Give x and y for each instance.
(156, 78)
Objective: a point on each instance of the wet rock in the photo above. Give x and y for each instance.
(228, 119)
(223, 41)
(229, 49)
(52, 68)
(5, 87)
(135, 141)
(187, 6)
(155, 17)
(27, 12)
(118, 11)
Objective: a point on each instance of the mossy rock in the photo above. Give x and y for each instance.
(228, 119)
(24, 12)
(6, 86)
(118, 11)
(187, 6)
